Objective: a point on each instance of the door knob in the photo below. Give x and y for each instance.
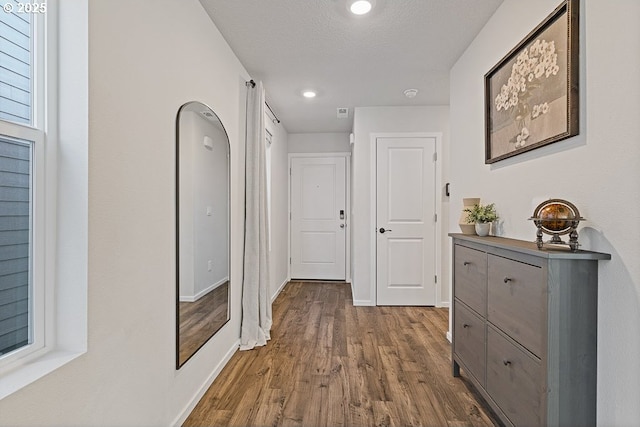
(383, 230)
(341, 225)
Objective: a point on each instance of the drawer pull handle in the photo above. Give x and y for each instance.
(466, 263)
(506, 362)
(465, 325)
(507, 279)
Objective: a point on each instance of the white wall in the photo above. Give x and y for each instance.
(319, 143)
(204, 186)
(279, 261)
(212, 195)
(370, 120)
(596, 170)
(186, 210)
(143, 65)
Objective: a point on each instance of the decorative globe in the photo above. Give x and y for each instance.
(556, 216)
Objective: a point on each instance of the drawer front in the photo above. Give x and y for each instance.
(469, 338)
(470, 272)
(517, 296)
(514, 380)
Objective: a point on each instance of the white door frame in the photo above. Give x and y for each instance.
(438, 206)
(347, 157)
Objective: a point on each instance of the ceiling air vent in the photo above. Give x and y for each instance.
(343, 113)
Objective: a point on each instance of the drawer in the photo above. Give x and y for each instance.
(517, 295)
(469, 338)
(514, 380)
(470, 277)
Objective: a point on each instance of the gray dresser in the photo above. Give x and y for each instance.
(525, 328)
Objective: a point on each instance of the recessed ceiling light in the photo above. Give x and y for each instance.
(411, 93)
(309, 94)
(360, 7)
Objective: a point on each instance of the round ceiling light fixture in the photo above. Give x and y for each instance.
(360, 7)
(411, 93)
(309, 94)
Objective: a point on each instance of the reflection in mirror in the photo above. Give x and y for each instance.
(202, 229)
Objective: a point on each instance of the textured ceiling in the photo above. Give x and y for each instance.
(351, 61)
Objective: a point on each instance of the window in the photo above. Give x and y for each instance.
(16, 290)
(57, 221)
(16, 88)
(22, 183)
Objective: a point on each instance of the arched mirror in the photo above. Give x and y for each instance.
(202, 228)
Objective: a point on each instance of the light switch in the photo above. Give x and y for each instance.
(209, 210)
(208, 143)
(209, 265)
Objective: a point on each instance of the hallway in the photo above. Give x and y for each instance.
(332, 364)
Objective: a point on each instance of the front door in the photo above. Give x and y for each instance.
(405, 229)
(318, 218)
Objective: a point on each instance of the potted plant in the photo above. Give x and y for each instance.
(482, 216)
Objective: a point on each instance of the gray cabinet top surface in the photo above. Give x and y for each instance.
(522, 246)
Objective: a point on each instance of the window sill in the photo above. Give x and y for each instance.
(30, 372)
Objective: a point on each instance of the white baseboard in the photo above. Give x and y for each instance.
(280, 288)
(182, 417)
(362, 302)
(443, 304)
(203, 292)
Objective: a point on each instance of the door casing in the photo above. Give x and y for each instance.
(438, 206)
(347, 157)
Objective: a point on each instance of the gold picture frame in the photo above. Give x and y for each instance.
(531, 95)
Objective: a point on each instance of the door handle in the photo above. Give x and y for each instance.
(342, 226)
(383, 230)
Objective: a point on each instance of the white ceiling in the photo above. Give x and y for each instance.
(351, 61)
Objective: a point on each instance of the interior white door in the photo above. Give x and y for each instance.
(318, 218)
(405, 229)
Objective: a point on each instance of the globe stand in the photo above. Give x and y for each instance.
(555, 237)
(557, 217)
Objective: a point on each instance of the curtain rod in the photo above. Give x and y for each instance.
(253, 84)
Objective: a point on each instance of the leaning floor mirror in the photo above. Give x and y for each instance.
(202, 228)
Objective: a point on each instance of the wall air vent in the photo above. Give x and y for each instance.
(343, 113)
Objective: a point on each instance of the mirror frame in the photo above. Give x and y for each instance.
(181, 110)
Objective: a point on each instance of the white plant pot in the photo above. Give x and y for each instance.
(483, 228)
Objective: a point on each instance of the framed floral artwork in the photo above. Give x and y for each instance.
(531, 95)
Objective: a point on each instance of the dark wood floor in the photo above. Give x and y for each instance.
(332, 364)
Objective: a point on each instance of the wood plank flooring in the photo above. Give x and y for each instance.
(201, 319)
(331, 364)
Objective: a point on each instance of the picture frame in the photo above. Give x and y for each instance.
(531, 95)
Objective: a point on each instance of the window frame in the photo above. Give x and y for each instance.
(67, 177)
(41, 135)
(37, 236)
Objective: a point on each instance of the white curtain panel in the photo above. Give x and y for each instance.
(256, 301)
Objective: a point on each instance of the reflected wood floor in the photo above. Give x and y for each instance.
(201, 319)
(331, 364)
